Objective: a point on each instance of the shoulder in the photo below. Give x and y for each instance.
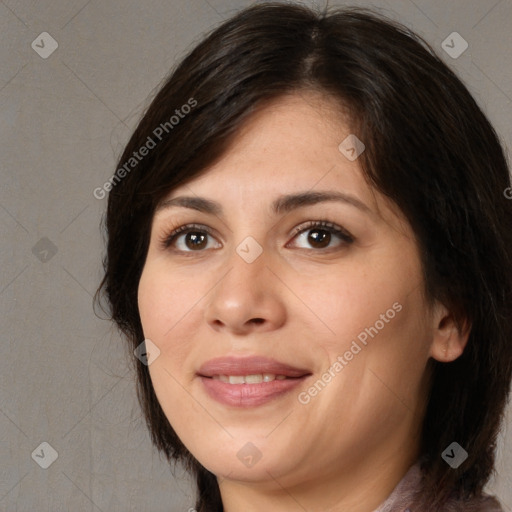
(484, 503)
(407, 497)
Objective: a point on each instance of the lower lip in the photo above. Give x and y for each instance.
(249, 395)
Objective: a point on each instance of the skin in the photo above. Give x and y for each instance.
(349, 446)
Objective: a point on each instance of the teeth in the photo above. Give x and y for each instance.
(249, 379)
(253, 379)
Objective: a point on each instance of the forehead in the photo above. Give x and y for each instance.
(292, 140)
(290, 145)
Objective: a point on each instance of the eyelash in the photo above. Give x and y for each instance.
(168, 238)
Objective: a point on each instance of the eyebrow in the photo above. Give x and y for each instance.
(282, 204)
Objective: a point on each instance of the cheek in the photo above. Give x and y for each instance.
(376, 317)
(151, 300)
(165, 306)
(165, 299)
(164, 303)
(354, 303)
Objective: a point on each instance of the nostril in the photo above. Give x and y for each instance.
(257, 320)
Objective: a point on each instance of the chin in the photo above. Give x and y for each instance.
(245, 460)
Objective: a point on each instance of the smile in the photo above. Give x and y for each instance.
(249, 379)
(250, 390)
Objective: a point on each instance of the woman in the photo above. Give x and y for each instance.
(309, 252)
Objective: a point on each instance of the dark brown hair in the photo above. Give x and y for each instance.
(429, 148)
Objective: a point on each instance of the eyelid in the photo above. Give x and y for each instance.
(324, 224)
(170, 236)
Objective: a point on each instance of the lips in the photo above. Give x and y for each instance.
(254, 365)
(249, 381)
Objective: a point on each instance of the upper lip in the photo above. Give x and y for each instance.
(253, 365)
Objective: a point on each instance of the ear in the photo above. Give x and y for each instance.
(448, 341)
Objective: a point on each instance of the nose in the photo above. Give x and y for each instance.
(248, 297)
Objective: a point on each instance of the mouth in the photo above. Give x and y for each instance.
(250, 381)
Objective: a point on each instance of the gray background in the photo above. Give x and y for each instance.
(64, 375)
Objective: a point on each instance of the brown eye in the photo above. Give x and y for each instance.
(319, 238)
(188, 238)
(195, 240)
(320, 234)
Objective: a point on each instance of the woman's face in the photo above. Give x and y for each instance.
(342, 311)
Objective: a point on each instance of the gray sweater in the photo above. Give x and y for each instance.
(400, 499)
